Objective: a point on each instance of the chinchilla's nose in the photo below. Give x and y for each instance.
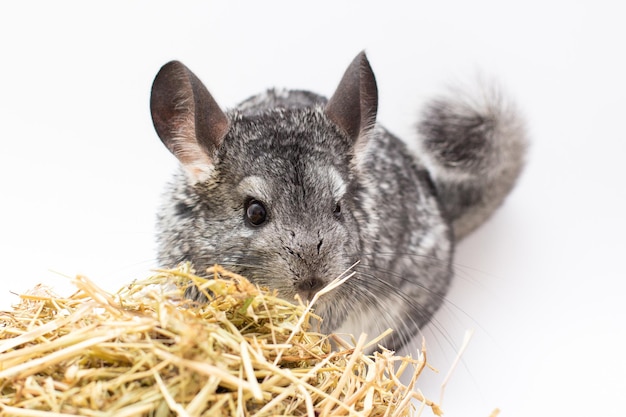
(307, 288)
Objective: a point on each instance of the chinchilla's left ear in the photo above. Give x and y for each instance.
(354, 104)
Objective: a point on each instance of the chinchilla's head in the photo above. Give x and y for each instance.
(274, 194)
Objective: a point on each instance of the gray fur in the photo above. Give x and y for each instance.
(473, 147)
(296, 153)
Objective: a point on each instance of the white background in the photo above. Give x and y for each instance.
(542, 283)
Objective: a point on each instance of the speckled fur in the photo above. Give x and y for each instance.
(397, 218)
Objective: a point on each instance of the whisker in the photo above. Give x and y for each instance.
(376, 286)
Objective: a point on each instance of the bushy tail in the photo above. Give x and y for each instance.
(474, 147)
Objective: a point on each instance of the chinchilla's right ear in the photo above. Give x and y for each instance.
(187, 118)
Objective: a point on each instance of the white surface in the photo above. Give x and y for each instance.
(542, 283)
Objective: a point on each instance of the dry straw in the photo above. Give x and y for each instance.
(146, 351)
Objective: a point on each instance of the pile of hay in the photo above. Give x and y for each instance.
(147, 351)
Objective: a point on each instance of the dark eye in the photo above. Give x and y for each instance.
(256, 213)
(337, 210)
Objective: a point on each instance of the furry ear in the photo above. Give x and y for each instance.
(354, 104)
(187, 118)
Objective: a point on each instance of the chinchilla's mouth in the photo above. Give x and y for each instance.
(309, 287)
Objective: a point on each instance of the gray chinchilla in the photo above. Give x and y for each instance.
(290, 189)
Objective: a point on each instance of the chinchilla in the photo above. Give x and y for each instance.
(290, 190)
